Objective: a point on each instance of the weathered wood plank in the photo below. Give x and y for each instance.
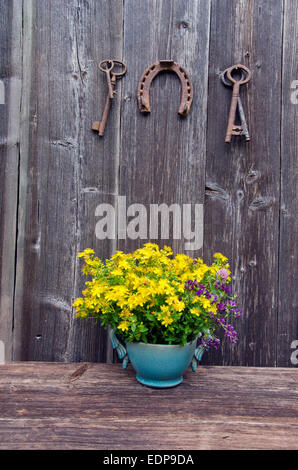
(65, 170)
(106, 408)
(47, 204)
(243, 179)
(288, 252)
(60, 434)
(10, 102)
(23, 391)
(55, 171)
(98, 164)
(163, 155)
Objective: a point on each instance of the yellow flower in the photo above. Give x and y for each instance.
(167, 321)
(213, 309)
(123, 325)
(164, 287)
(117, 272)
(117, 294)
(195, 311)
(220, 256)
(81, 315)
(206, 303)
(134, 300)
(96, 289)
(213, 269)
(125, 313)
(117, 255)
(200, 272)
(86, 252)
(78, 302)
(179, 286)
(177, 304)
(172, 299)
(145, 293)
(164, 309)
(132, 281)
(157, 271)
(123, 264)
(164, 316)
(152, 246)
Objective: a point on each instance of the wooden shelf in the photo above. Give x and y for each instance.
(100, 406)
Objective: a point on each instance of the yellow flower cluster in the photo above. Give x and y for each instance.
(129, 290)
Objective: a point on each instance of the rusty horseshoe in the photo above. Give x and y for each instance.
(165, 66)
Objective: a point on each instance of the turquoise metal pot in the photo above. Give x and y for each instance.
(158, 365)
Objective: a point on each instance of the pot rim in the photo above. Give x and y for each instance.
(162, 345)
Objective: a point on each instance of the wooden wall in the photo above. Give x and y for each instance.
(55, 171)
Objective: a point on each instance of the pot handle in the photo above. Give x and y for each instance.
(120, 348)
(198, 356)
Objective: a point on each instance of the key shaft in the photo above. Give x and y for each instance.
(109, 80)
(232, 113)
(243, 120)
(100, 126)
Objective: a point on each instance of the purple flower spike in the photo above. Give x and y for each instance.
(236, 312)
(229, 330)
(210, 342)
(221, 307)
(200, 292)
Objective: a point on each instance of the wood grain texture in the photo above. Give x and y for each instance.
(66, 170)
(55, 171)
(288, 252)
(11, 84)
(163, 155)
(243, 179)
(98, 163)
(106, 408)
(47, 226)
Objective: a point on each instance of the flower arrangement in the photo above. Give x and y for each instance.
(154, 297)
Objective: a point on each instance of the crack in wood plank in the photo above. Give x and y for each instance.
(77, 374)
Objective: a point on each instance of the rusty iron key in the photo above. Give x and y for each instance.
(232, 128)
(99, 126)
(107, 69)
(243, 128)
